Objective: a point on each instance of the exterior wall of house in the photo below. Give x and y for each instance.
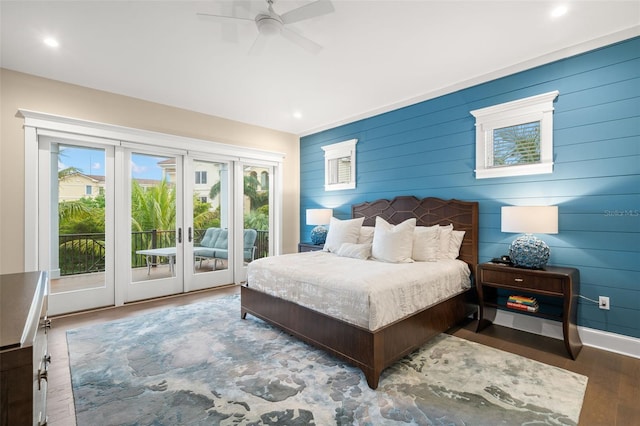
(428, 149)
(74, 187)
(18, 90)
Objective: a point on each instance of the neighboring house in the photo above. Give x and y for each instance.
(207, 174)
(78, 185)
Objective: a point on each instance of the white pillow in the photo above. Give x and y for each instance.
(391, 243)
(444, 237)
(356, 251)
(455, 243)
(366, 235)
(342, 231)
(426, 243)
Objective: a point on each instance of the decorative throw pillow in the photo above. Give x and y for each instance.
(426, 243)
(444, 237)
(455, 243)
(356, 251)
(366, 235)
(391, 243)
(342, 231)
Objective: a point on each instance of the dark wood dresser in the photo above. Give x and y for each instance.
(24, 358)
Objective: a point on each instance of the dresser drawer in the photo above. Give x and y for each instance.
(510, 278)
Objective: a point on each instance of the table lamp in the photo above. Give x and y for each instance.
(319, 217)
(528, 251)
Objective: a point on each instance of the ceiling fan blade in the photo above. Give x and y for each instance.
(307, 44)
(258, 45)
(308, 11)
(225, 17)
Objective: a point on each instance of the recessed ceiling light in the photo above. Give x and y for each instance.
(297, 115)
(51, 42)
(558, 11)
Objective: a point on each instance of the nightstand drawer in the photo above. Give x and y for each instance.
(526, 281)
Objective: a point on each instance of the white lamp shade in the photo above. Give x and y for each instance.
(319, 216)
(530, 219)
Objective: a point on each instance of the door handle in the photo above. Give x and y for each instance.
(189, 235)
(179, 235)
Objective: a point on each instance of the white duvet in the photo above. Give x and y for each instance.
(366, 293)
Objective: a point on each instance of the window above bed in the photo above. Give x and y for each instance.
(340, 165)
(515, 138)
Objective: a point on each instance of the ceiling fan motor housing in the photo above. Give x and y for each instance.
(268, 25)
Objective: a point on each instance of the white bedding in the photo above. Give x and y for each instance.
(366, 293)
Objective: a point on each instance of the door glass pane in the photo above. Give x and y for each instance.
(210, 216)
(256, 212)
(78, 218)
(153, 217)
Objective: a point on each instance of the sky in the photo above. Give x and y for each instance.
(91, 162)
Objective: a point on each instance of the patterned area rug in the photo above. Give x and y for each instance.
(202, 365)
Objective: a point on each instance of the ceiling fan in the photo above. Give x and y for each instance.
(270, 24)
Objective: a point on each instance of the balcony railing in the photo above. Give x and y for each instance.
(85, 253)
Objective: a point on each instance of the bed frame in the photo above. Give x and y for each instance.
(374, 351)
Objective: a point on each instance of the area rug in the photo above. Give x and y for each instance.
(202, 365)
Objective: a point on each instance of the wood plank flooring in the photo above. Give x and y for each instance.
(612, 397)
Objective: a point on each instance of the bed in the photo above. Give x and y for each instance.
(373, 351)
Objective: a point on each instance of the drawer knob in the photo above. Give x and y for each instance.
(519, 280)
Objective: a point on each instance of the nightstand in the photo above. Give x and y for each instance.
(309, 247)
(552, 281)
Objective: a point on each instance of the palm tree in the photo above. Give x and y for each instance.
(154, 209)
(257, 197)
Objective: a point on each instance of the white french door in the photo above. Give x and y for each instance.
(76, 192)
(255, 213)
(152, 224)
(209, 224)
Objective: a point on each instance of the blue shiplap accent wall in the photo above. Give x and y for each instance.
(428, 149)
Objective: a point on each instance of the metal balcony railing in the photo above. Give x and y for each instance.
(85, 253)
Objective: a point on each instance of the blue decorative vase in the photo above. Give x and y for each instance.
(318, 235)
(528, 251)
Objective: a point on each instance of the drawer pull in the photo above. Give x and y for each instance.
(42, 374)
(519, 280)
(46, 323)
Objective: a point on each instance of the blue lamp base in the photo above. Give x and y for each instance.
(318, 235)
(528, 251)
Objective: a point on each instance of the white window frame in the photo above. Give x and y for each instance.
(537, 108)
(333, 152)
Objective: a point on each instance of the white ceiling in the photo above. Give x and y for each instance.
(377, 55)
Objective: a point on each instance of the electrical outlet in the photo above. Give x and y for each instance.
(603, 302)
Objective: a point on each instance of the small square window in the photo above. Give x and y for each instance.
(88, 189)
(515, 138)
(340, 165)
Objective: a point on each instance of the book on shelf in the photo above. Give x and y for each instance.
(523, 300)
(522, 307)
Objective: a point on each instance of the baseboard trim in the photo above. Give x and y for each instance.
(604, 340)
